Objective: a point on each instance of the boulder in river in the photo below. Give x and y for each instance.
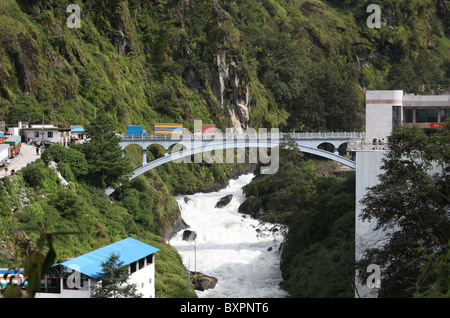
(250, 206)
(189, 235)
(224, 201)
(203, 282)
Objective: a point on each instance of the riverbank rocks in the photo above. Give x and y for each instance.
(251, 206)
(224, 201)
(203, 282)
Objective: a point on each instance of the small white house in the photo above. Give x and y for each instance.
(76, 277)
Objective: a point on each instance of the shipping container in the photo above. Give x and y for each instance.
(15, 143)
(136, 130)
(162, 129)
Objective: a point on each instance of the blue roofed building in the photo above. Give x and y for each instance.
(75, 278)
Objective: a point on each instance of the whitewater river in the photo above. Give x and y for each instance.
(229, 246)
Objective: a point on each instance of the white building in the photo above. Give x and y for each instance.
(386, 110)
(49, 134)
(76, 277)
(78, 133)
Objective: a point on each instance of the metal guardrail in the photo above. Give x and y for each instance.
(280, 136)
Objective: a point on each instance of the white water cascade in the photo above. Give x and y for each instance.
(242, 254)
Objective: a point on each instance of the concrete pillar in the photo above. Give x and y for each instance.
(368, 168)
(144, 157)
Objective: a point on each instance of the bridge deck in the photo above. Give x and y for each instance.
(279, 136)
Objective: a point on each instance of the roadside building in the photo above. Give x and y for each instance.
(389, 109)
(76, 277)
(47, 134)
(78, 134)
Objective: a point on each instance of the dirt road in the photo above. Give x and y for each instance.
(27, 154)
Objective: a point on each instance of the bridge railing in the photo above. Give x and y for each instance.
(325, 135)
(361, 144)
(293, 135)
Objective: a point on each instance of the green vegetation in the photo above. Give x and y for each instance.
(35, 198)
(412, 205)
(114, 281)
(296, 65)
(317, 213)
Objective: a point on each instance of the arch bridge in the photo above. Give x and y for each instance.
(198, 144)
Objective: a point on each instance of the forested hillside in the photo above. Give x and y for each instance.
(291, 64)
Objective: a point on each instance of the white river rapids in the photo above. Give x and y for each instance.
(237, 250)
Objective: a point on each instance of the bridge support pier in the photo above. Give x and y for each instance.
(368, 168)
(144, 157)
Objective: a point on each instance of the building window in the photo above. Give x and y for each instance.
(133, 267)
(396, 116)
(432, 115)
(408, 115)
(429, 115)
(36, 134)
(50, 134)
(150, 259)
(141, 263)
(445, 114)
(421, 115)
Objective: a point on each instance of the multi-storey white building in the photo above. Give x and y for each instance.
(386, 110)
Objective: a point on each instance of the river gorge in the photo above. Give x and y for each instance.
(234, 248)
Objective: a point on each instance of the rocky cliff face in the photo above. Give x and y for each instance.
(231, 95)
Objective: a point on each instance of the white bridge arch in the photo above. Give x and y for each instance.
(306, 142)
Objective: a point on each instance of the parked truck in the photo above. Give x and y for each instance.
(136, 130)
(162, 129)
(15, 143)
(4, 154)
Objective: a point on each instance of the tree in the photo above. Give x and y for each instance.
(114, 278)
(60, 154)
(411, 205)
(107, 166)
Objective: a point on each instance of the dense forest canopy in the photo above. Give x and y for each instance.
(296, 65)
